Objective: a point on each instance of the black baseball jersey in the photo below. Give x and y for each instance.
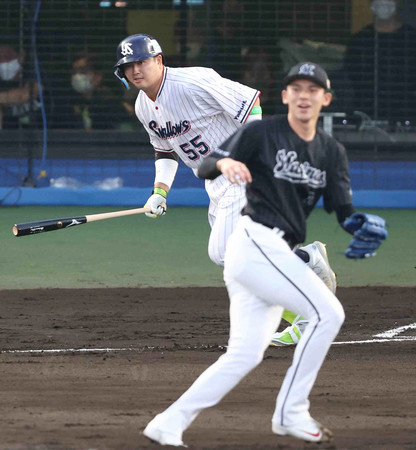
(289, 174)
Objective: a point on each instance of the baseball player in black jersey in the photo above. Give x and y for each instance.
(206, 109)
(287, 164)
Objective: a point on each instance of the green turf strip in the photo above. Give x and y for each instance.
(172, 250)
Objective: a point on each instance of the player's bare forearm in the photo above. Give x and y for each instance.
(236, 172)
(163, 186)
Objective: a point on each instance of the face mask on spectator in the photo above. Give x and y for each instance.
(81, 83)
(8, 70)
(383, 9)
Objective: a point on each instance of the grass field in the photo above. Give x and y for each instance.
(88, 368)
(172, 251)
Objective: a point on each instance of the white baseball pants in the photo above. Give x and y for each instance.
(263, 276)
(226, 202)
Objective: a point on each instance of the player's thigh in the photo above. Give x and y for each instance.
(265, 265)
(212, 212)
(227, 215)
(227, 210)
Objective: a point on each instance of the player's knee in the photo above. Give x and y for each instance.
(246, 361)
(336, 316)
(252, 362)
(246, 352)
(340, 316)
(329, 318)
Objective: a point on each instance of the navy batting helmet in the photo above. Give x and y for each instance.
(137, 47)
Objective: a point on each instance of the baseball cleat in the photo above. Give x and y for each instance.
(318, 262)
(290, 335)
(310, 431)
(162, 437)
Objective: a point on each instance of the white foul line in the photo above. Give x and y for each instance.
(374, 341)
(74, 350)
(395, 331)
(107, 350)
(142, 349)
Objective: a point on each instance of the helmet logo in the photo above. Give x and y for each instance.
(126, 49)
(307, 69)
(154, 47)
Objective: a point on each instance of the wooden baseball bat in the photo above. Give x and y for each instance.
(42, 226)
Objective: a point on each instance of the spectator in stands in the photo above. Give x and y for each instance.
(222, 51)
(381, 64)
(258, 73)
(93, 105)
(19, 94)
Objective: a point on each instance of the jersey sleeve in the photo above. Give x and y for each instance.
(338, 190)
(216, 94)
(240, 146)
(159, 145)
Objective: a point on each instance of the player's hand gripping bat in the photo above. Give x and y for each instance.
(42, 226)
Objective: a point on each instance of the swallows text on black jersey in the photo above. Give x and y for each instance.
(170, 130)
(289, 168)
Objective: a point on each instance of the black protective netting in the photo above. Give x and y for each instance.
(53, 51)
(254, 42)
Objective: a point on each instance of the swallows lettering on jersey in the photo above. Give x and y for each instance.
(290, 169)
(170, 131)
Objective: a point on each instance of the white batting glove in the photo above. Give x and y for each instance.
(157, 203)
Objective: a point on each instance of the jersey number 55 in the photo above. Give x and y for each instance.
(199, 148)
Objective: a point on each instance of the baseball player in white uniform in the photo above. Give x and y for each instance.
(188, 113)
(288, 164)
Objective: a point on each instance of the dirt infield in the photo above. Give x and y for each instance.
(127, 353)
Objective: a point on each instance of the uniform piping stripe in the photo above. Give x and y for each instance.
(162, 150)
(244, 118)
(309, 301)
(163, 82)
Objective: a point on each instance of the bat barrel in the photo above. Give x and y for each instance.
(42, 226)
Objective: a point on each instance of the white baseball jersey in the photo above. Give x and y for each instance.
(195, 111)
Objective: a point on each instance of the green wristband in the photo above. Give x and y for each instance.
(160, 191)
(256, 110)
